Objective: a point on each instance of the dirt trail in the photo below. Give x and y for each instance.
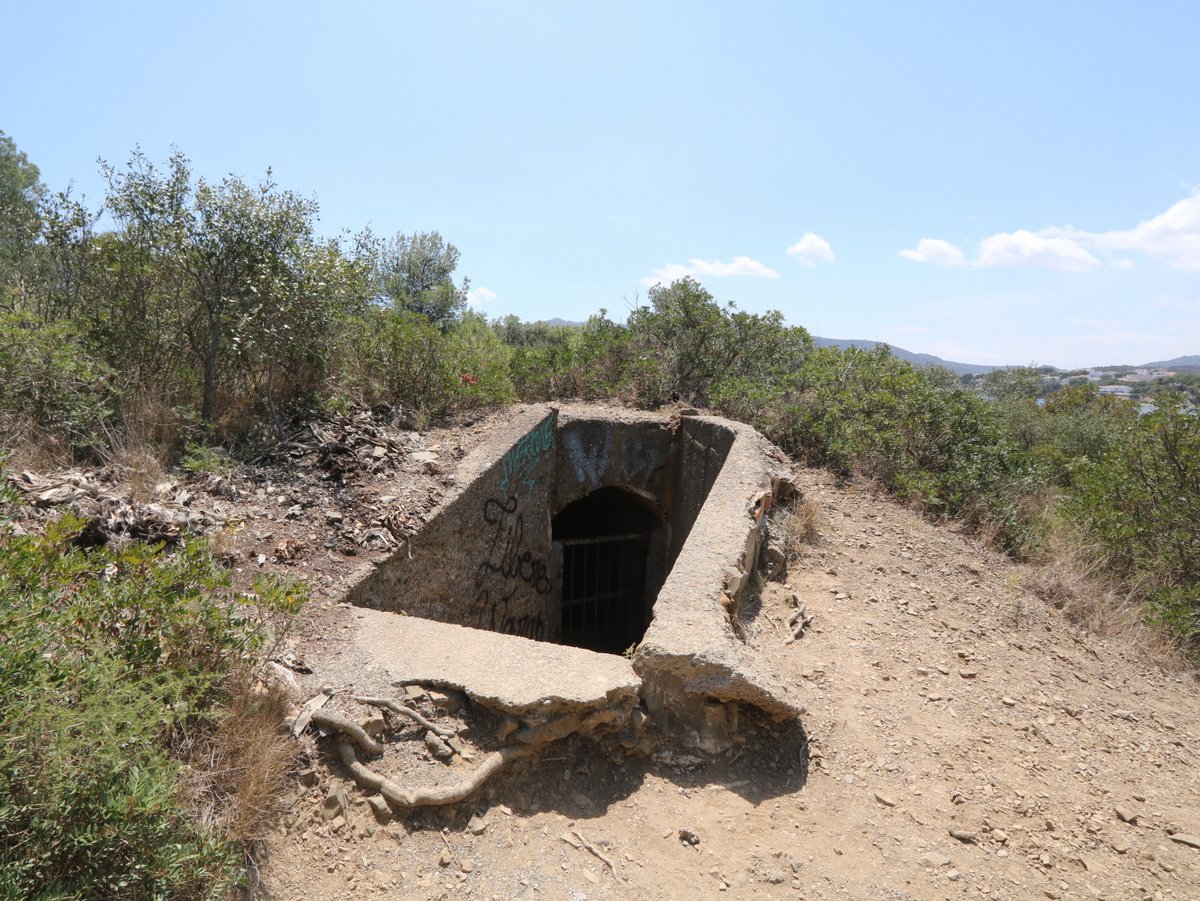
(941, 697)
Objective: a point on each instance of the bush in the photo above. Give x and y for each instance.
(1141, 504)
(50, 387)
(117, 666)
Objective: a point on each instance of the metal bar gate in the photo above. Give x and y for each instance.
(604, 592)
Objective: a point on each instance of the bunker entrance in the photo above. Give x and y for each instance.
(606, 540)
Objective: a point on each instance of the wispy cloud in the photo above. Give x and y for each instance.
(936, 251)
(477, 297)
(811, 250)
(712, 268)
(1173, 236)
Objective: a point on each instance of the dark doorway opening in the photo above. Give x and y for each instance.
(605, 541)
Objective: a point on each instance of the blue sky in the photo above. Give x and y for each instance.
(989, 182)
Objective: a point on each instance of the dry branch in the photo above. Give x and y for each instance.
(600, 854)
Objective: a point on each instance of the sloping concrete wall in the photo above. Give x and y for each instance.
(484, 558)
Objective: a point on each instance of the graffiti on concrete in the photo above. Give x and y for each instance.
(508, 565)
(517, 463)
(595, 463)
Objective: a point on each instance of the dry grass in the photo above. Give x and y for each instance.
(143, 470)
(27, 447)
(239, 773)
(1072, 579)
(800, 526)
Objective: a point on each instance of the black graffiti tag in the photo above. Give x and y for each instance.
(508, 565)
(507, 556)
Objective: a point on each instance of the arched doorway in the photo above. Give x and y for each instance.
(605, 540)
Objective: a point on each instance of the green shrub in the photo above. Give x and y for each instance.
(48, 384)
(115, 664)
(1141, 503)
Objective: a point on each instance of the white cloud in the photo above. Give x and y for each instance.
(811, 249)
(477, 297)
(1024, 248)
(938, 252)
(1173, 235)
(715, 268)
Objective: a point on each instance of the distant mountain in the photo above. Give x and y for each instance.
(562, 322)
(908, 355)
(1191, 362)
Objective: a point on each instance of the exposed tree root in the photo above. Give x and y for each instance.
(435, 796)
(339, 722)
(350, 732)
(413, 715)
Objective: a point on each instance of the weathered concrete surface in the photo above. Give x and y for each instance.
(483, 559)
(487, 560)
(690, 659)
(531, 680)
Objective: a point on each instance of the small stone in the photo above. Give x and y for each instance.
(884, 800)
(332, 516)
(963, 835)
(688, 837)
(934, 859)
(445, 858)
(1121, 844)
(954, 875)
(776, 877)
(437, 747)
(968, 673)
(308, 777)
(1126, 815)
(467, 866)
(379, 807)
(1001, 836)
(373, 726)
(448, 700)
(477, 825)
(1192, 841)
(334, 804)
(1008, 702)
(591, 877)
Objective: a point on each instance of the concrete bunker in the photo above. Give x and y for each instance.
(619, 542)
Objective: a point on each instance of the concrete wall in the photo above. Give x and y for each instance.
(484, 558)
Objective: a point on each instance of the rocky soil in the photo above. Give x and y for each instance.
(964, 740)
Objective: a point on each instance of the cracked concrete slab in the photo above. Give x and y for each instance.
(531, 680)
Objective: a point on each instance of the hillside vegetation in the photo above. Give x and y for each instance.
(179, 315)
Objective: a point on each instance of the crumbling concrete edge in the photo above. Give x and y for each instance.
(691, 660)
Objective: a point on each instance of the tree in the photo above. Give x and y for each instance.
(232, 271)
(21, 193)
(416, 273)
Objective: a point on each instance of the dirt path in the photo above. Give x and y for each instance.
(941, 697)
